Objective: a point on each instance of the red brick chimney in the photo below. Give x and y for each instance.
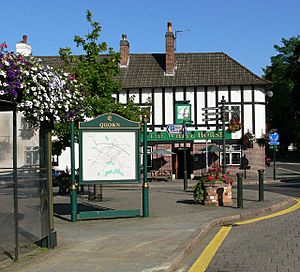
(170, 57)
(124, 51)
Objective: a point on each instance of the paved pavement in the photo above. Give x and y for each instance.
(160, 242)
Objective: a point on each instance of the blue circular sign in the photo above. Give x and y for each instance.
(274, 137)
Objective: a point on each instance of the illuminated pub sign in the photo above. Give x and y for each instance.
(191, 136)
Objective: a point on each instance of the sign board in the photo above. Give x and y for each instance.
(196, 135)
(183, 113)
(273, 138)
(109, 150)
(175, 129)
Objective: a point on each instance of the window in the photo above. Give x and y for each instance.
(232, 112)
(233, 154)
(31, 155)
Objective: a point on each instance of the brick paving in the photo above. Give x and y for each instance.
(268, 245)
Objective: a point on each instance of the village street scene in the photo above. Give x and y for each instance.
(154, 137)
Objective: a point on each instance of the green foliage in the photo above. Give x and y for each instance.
(199, 190)
(96, 73)
(283, 109)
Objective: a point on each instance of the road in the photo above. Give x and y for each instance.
(268, 245)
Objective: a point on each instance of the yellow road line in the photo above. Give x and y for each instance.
(288, 210)
(205, 258)
(203, 261)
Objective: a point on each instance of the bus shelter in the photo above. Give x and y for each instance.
(26, 213)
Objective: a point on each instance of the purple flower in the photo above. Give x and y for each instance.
(14, 93)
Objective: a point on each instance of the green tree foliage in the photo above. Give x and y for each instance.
(97, 74)
(283, 109)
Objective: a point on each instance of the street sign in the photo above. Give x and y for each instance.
(210, 119)
(212, 108)
(274, 137)
(211, 113)
(174, 129)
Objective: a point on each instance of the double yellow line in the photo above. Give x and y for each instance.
(205, 258)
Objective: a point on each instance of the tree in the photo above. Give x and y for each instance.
(97, 75)
(283, 109)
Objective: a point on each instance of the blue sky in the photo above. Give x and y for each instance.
(244, 29)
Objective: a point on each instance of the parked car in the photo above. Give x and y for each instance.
(56, 174)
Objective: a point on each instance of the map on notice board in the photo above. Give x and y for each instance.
(109, 155)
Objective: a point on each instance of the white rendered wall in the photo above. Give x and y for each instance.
(122, 97)
(260, 120)
(223, 91)
(235, 94)
(247, 118)
(146, 94)
(247, 94)
(135, 94)
(169, 106)
(190, 97)
(200, 104)
(259, 95)
(158, 106)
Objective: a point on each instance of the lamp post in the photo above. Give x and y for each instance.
(73, 191)
(145, 176)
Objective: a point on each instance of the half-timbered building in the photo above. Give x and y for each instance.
(200, 80)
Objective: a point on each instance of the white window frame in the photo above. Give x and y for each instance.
(230, 150)
(31, 155)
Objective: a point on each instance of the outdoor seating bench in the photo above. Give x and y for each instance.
(165, 175)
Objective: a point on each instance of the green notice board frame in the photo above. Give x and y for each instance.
(109, 150)
(109, 153)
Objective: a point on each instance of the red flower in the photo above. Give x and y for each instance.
(210, 178)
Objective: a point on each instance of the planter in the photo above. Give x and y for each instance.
(217, 194)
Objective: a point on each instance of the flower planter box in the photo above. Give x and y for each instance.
(217, 194)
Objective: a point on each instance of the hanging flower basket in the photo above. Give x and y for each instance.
(41, 93)
(234, 125)
(248, 140)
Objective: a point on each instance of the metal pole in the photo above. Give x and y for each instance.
(145, 172)
(206, 153)
(73, 191)
(274, 164)
(261, 184)
(223, 135)
(15, 184)
(240, 190)
(184, 158)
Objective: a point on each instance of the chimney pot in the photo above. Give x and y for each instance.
(24, 38)
(170, 26)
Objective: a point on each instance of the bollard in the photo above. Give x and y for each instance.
(240, 190)
(261, 184)
(145, 199)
